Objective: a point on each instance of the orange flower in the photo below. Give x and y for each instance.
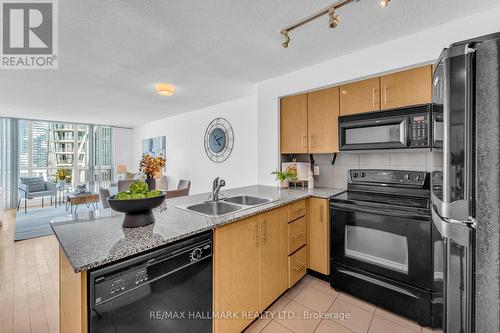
(151, 166)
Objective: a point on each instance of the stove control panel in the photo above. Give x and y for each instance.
(413, 178)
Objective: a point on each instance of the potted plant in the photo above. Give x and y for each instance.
(283, 177)
(151, 167)
(62, 176)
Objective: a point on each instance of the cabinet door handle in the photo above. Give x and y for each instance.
(256, 233)
(265, 231)
(297, 211)
(373, 96)
(312, 141)
(300, 234)
(304, 141)
(385, 93)
(320, 213)
(299, 267)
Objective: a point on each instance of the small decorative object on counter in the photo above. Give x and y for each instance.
(300, 170)
(151, 167)
(137, 204)
(283, 177)
(310, 180)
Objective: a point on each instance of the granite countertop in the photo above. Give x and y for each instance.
(94, 239)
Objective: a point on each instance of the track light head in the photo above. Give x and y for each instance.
(286, 39)
(383, 3)
(334, 18)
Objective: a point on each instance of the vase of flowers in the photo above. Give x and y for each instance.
(151, 167)
(283, 178)
(62, 176)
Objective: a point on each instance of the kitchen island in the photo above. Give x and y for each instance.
(92, 240)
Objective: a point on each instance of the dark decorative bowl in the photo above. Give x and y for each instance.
(138, 212)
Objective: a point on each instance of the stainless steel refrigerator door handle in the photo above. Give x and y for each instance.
(458, 231)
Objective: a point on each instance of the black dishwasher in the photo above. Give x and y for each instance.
(167, 290)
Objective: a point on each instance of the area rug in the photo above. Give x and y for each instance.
(36, 223)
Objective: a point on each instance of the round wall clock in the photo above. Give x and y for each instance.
(219, 140)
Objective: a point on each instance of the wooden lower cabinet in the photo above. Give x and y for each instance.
(272, 256)
(319, 235)
(297, 266)
(236, 273)
(250, 267)
(72, 297)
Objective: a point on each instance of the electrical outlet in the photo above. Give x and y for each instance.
(316, 171)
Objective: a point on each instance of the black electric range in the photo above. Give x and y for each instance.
(382, 247)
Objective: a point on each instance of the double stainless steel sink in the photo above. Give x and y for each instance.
(226, 206)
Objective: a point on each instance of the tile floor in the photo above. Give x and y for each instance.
(313, 306)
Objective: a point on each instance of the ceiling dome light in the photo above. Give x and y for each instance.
(165, 89)
(383, 3)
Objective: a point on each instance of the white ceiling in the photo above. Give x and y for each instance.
(111, 53)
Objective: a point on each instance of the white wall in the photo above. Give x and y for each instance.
(186, 158)
(123, 142)
(422, 47)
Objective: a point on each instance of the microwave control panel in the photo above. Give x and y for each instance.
(419, 131)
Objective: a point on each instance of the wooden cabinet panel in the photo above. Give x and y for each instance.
(293, 123)
(236, 273)
(296, 234)
(319, 235)
(322, 120)
(72, 297)
(273, 256)
(410, 87)
(359, 97)
(296, 209)
(297, 266)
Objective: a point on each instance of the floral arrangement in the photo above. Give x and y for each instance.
(63, 174)
(151, 166)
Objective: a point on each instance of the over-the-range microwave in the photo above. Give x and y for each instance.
(404, 128)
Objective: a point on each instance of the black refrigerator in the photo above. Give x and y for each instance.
(465, 192)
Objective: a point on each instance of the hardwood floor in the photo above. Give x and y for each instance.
(29, 281)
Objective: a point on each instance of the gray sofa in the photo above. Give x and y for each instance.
(35, 187)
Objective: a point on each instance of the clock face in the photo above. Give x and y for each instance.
(219, 140)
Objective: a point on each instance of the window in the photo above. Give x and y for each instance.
(45, 147)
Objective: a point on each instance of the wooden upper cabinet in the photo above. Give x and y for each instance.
(319, 235)
(359, 97)
(322, 120)
(236, 273)
(410, 87)
(293, 123)
(273, 256)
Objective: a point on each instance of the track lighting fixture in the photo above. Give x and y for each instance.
(383, 3)
(286, 38)
(334, 18)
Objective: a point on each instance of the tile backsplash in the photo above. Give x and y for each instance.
(336, 175)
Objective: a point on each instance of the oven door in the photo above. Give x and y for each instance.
(391, 244)
(376, 133)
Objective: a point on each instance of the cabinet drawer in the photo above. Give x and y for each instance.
(296, 234)
(296, 210)
(297, 265)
